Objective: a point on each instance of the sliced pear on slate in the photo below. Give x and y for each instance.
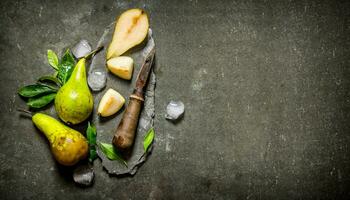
(110, 103)
(130, 30)
(121, 66)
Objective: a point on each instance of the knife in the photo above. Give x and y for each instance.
(124, 136)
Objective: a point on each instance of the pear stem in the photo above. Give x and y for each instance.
(25, 111)
(93, 52)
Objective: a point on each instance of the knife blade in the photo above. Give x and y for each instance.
(124, 136)
(145, 70)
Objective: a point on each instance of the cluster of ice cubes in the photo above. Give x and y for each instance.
(97, 78)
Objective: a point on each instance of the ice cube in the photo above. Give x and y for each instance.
(84, 174)
(97, 79)
(81, 49)
(175, 109)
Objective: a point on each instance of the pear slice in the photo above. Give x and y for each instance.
(121, 66)
(110, 103)
(130, 30)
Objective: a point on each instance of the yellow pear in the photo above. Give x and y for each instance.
(121, 66)
(110, 103)
(68, 146)
(130, 30)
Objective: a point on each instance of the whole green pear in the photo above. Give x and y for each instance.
(74, 101)
(68, 146)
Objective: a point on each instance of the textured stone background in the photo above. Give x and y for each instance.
(265, 84)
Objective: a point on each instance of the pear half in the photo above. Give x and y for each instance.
(110, 103)
(121, 66)
(130, 30)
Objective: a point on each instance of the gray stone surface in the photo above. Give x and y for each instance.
(265, 85)
(106, 126)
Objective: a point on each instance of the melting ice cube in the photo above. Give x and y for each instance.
(84, 174)
(175, 109)
(81, 49)
(97, 79)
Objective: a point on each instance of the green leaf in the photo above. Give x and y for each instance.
(42, 101)
(147, 141)
(48, 85)
(91, 134)
(50, 79)
(111, 153)
(66, 67)
(52, 58)
(91, 137)
(92, 153)
(35, 90)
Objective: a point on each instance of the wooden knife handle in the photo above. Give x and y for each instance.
(125, 134)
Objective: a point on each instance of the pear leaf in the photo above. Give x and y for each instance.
(52, 58)
(35, 90)
(147, 141)
(91, 137)
(39, 102)
(66, 67)
(49, 79)
(111, 153)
